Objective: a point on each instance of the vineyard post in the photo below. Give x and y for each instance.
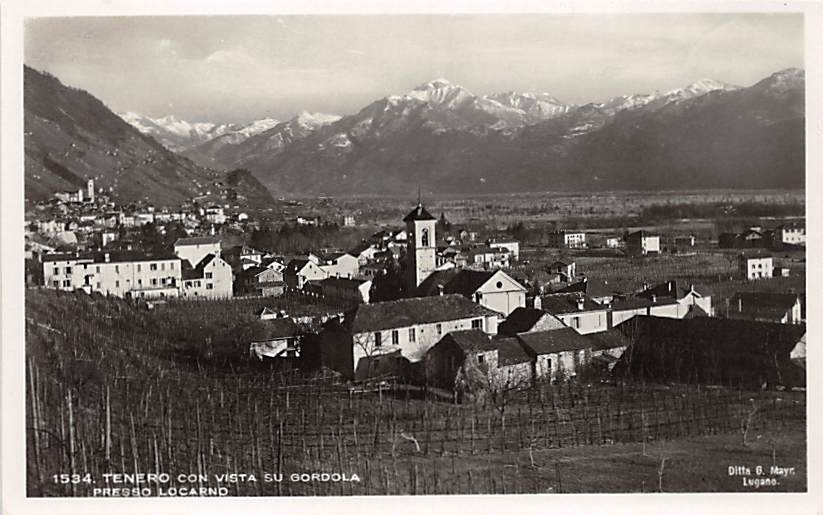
(72, 463)
(35, 424)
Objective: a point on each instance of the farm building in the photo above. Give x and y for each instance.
(276, 338)
(300, 271)
(576, 311)
(624, 309)
(789, 234)
(493, 289)
(384, 337)
(196, 248)
(524, 320)
(211, 278)
(557, 354)
(711, 351)
(564, 268)
(757, 265)
(567, 239)
(685, 297)
(780, 308)
(641, 243)
(260, 280)
(597, 290)
(346, 291)
(450, 359)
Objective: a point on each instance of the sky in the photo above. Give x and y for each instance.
(241, 68)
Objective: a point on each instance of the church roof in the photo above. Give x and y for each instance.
(418, 213)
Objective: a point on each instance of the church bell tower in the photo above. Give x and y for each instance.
(420, 250)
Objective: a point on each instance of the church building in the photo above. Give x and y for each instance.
(420, 246)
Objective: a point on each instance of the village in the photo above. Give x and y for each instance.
(424, 303)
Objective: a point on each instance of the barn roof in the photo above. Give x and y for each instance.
(510, 352)
(472, 340)
(521, 320)
(196, 240)
(609, 339)
(556, 340)
(562, 303)
(393, 314)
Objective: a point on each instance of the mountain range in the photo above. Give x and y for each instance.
(443, 138)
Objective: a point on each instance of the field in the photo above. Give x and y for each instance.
(113, 390)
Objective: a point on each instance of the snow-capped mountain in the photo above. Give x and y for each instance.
(180, 135)
(267, 136)
(442, 135)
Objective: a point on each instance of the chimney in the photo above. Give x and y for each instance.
(739, 304)
(671, 286)
(440, 289)
(107, 257)
(654, 298)
(538, 302)
(581, 303)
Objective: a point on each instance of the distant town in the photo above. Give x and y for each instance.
(408, 293)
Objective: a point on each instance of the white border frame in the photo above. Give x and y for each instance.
(12, 288)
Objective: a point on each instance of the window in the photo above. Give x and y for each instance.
(56, 284)
(68, 270)
(172, 265)
(412, 335)
(98, 285)
(209, 275)
(56, 270)
(395, 338)
(116, 269)
(153, 266)
(116, 284)
(439, 328)
(140, 282)
(378, 339)
(97, 269)
(424, 238)
(154, 281)
(499, 284)
(163, 281)
(477, 323)
(209, 286)
(481, 358)
(139, 268)
(576, 322)
(66, 283)
(162, 266)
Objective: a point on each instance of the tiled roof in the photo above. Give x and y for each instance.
(123, 256)
(561, 303)
(666, 289)
(408, 312)
(556, 340)
(754, 300)
(196, 240)
(430, 284)
(521, 320)
(609, 339)
(590, 287)
(466, 282)
(641, 302)
(295, 265)
(342, 282)
(277, 328)
(473, 340)
(510, 352)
